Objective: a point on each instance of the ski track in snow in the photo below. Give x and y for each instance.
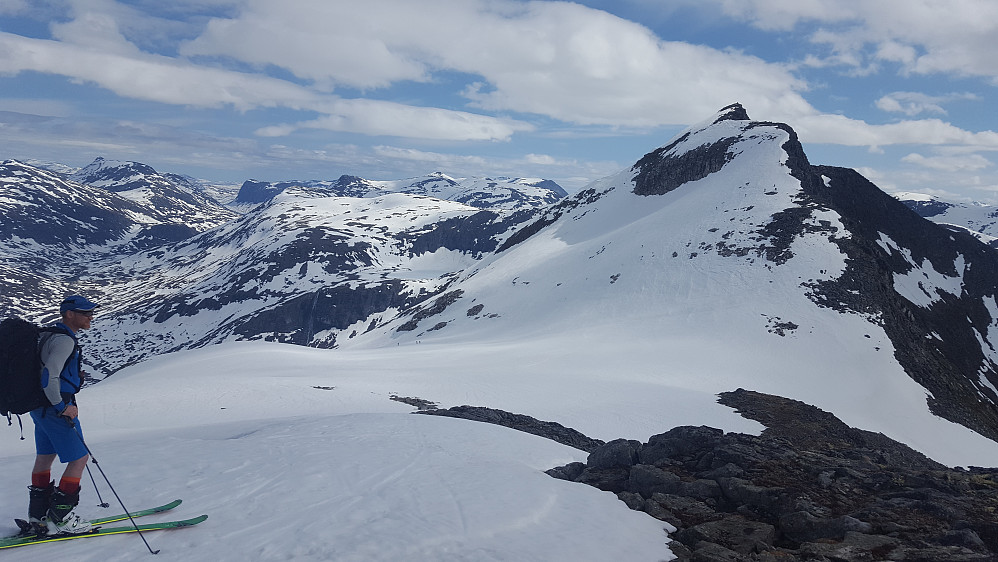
(342, 474)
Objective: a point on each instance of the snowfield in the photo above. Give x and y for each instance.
(300, 454)
(287, 471)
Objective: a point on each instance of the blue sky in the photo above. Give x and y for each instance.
(228, 90)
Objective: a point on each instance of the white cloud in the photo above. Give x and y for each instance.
(838, 129)
(923, 36)
(897, 52)
(949, 163)
(511, 61)
(944, 184)
(914, 103)
(786, 14)
(95, 31)
(374, 117)
(330, 43)
(556, 59)
(13, 6)
(130, 73)
(150, 77)
(438, 159)
(540, 159)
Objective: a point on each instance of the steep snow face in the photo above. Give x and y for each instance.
(610, 251)
(685, 283)
(922, 285)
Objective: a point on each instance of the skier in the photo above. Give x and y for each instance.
(57, 425)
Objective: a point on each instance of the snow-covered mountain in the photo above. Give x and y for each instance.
(177, 197)
(301, 269)
(723, 259)
(54, 231)
(979, 219)
(304, 267)
(97, 214)
(726, 259)
(719, 261)
(485, 193)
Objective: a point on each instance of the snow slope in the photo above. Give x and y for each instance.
(672, 298)
(289, 471)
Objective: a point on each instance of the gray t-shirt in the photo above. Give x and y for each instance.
(55, 352)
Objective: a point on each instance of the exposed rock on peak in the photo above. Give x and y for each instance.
(664, 170)
(734, 112)
(698, 152)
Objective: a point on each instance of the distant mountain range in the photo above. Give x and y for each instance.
(484, 193)
(976, 218)
(721, 259)
(297, 262)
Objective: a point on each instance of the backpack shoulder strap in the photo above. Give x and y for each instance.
(46, 333)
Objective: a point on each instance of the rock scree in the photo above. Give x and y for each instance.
(808, 488)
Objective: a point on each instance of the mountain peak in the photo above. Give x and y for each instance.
(733, 112)
(699, 151)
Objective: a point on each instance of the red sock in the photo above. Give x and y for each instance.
(41, 479)
(69, 485)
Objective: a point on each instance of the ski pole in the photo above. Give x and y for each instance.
(102, 503)
(116, 496)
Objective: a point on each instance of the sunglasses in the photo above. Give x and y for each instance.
(88, 313)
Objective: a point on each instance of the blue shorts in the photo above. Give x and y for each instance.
(54, 434)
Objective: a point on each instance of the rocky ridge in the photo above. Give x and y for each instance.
(808, 488)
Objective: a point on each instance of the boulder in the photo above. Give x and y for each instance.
(619, 453)
(734, 533)
(648, 480)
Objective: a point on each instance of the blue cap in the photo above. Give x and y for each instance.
(76, 302)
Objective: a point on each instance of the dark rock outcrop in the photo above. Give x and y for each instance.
(526, 424)
(952, 367)
(808, 488)
(667, 168)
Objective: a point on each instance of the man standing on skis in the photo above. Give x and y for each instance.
(57, 425)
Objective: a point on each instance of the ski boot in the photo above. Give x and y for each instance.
(39, 500)
(61, 519)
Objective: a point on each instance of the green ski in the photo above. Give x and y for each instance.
(102, 520)
(140, 513)
(15, 542)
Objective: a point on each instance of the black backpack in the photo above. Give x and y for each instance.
(21, 367)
